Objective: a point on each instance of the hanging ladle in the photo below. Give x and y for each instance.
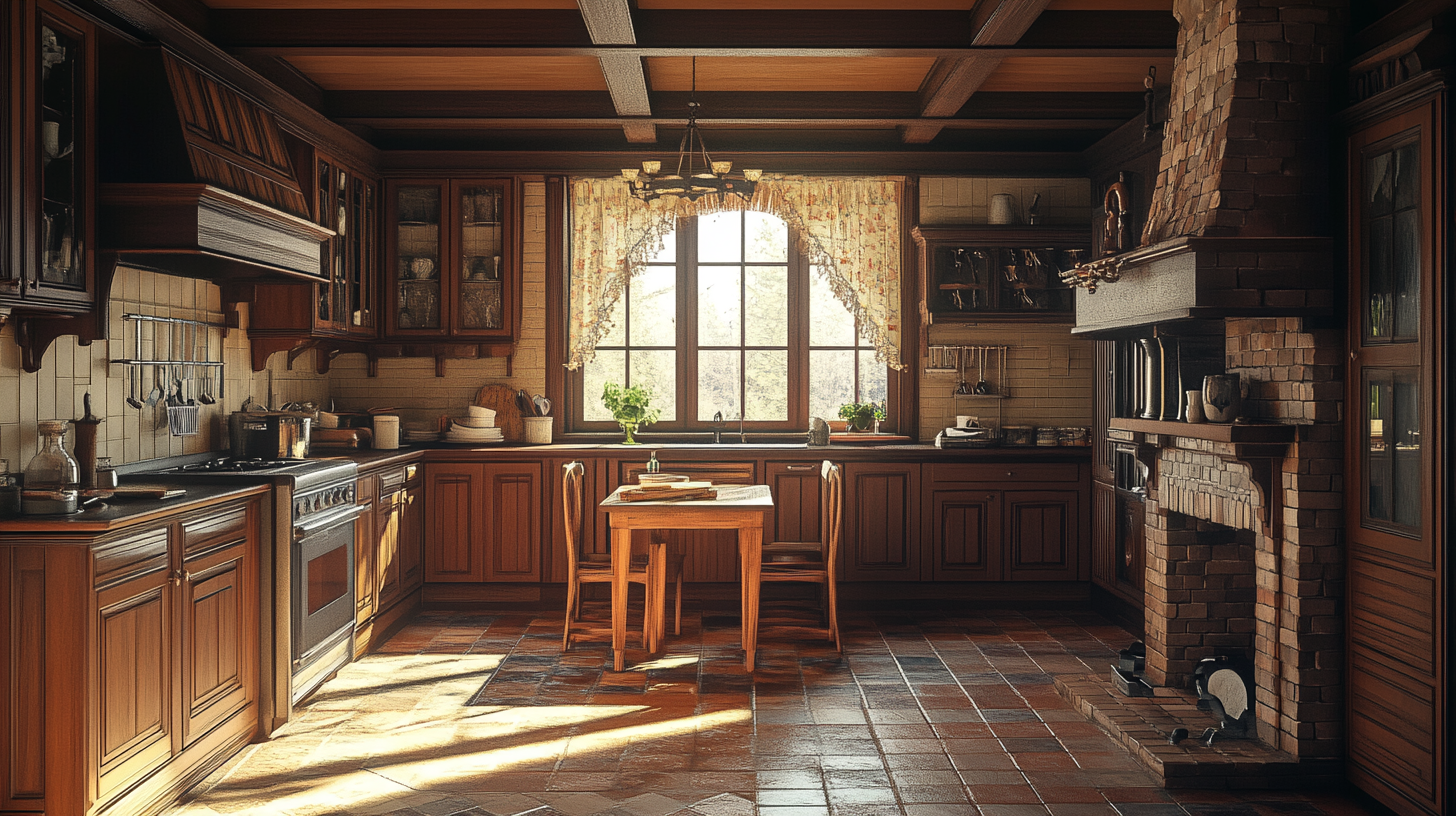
(964, 387)
(983, 387)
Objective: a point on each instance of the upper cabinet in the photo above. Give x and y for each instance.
(452, 270)
(980, 273)
(347, 203)
(48, 175)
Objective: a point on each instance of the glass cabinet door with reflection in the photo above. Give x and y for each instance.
(414, 291)
(481, 245)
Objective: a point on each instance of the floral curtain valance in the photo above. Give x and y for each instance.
(848, 227)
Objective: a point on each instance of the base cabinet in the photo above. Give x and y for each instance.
(389, 551)
(131, 665)
(484, 522)
(881, 521)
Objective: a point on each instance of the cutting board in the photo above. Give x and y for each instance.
(502, 400)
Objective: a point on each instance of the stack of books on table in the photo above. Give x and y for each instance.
(668, 491)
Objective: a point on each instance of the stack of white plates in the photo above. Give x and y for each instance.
(475, 422)
(477, 436)
(420, 436)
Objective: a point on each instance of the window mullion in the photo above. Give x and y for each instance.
(687, 328)
(798, 338)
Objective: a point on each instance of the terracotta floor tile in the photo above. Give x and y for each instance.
(924, 714)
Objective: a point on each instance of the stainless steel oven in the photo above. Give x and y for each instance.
(323, 582)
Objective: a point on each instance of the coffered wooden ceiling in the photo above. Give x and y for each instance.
(872, 78)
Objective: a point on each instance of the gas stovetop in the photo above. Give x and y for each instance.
(302, 473)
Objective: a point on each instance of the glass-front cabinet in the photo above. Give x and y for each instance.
(50, 67)
(451, 259)
(347, 204)
(999, 273)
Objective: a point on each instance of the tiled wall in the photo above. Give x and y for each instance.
(967, 200)
(1048, 378)
(70, 370)
(411, 385)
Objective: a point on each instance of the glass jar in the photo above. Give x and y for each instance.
(52, 477)
(9, 491)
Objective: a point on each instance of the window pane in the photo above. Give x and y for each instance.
(720, 237)
(768, 237)
(718, 382)
(1407, 274)
(766, 386)
(609, 366)
(873, 386)
(719, 302)
(657, 371)
(654, 307)
(1406, 440)
(668, 255)
(830, 324)
(767, 298)
(617, 331)
(1393, 452)
(831, 382)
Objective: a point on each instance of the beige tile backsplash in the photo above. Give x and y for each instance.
(967, 200)
(1049, 372)
(1048, 378)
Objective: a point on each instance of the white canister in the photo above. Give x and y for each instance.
(1001, 210)
(386, 432)
(538, 430)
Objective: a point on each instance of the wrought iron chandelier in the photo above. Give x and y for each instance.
(697, 174)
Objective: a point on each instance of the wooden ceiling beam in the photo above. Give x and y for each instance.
(1030, 164)
(609, 22)
(827, 122)
(676, 32)
(721, 105)
(997, 53)
(954, 80)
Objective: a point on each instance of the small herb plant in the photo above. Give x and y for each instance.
(861, 415)
(630, 407)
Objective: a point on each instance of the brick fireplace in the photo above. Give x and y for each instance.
(1244, 552)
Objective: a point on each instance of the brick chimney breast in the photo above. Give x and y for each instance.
(1244, 145)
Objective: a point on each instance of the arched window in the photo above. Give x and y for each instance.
(730, 314)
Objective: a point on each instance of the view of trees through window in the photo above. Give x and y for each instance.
(723, 320)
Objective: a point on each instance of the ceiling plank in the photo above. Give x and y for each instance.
(720, 123)
(609, 22)
(1030, 164)
(948, 87)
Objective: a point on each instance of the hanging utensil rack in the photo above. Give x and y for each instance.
(181, 362)
(945, 360)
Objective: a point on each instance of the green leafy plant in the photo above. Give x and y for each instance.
(860, 416)
(630, 407)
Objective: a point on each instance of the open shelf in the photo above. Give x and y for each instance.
(1251, 432)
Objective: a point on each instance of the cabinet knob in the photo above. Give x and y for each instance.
(990, 497)
(409, 500)
(1010, 474)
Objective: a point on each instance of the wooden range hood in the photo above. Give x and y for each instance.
(196, 178)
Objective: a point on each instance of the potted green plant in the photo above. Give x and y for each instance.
(860, 416)
(630, 407)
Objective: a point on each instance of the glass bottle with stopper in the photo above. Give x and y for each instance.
(52, 478)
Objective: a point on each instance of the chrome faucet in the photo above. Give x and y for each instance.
(718, 428)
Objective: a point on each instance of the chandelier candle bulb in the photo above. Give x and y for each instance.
(651, 167)
(722, 168)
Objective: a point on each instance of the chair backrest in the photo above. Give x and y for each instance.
(571, 504)
(831, 510)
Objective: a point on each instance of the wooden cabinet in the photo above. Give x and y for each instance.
(340, 309)
(452, 269)
(984, 273)
(388, 554)
(485, 522)
(48, 160)
(797, 487)
(134, 667)
(881, 522)
(1007, 522)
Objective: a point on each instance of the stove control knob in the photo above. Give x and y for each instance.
(301, 508)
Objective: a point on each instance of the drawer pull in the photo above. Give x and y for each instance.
(1010, 474)
(801, 467)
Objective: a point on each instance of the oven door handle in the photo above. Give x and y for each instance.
(322, 521)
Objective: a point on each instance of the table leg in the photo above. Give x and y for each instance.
(621, 563)
(750, 548)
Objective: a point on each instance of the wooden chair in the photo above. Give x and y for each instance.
(814, 561)
(649, 570)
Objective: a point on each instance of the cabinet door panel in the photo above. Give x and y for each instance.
(366, 545)
(217, 638)
(881, 523)
(965, 531)
(388, 519)
(1041, 535)
(455, 546)
(133, 692)
(412, 540)
(796, 490)
(514, 536)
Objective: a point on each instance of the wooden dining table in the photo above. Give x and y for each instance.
(737, 507)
